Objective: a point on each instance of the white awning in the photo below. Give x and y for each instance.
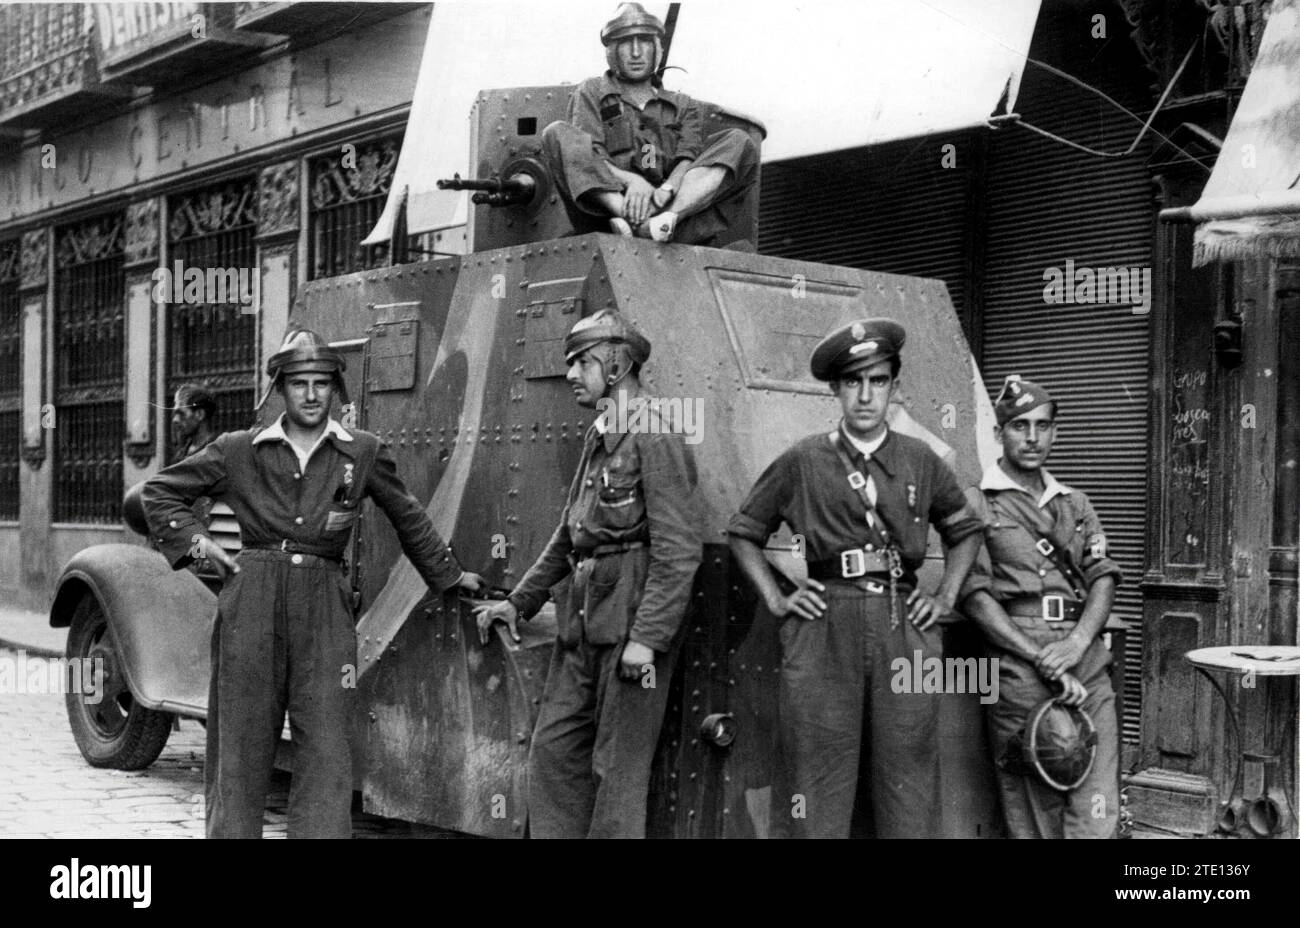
(1251, 204)
(822, 76)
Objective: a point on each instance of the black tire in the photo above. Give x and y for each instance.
(114, 731)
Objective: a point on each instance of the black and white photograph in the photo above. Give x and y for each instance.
(715, 420)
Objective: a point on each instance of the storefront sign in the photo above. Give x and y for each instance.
(294, 95)
(126, 29)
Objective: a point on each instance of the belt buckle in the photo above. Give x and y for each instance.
(853, 563)
(1060, 608)
(1045, 547)
(284, 545)
(874, 587)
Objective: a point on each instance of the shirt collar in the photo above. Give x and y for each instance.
(611, 87)
(995, 478)
(275, 432)
(881, 450)
(610, 440)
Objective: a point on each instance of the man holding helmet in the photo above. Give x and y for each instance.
(284, 636)
(631, 157)
(628, 539)
(1041, 591)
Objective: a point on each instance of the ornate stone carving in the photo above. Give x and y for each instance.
(97, 238)
(34, 259)
(142, 232)
(364, 172)
(216, 209)
(9, 258)
(277, 199)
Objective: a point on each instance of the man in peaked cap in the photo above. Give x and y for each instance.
(284, 636)
(632, 157)
(862, 497)
(628, 539)
(1041, 592)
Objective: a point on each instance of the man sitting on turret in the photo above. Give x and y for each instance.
(633, 155)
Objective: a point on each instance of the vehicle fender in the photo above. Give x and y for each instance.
(160, 619)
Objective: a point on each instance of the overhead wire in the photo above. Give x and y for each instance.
(1145, 125)
(1086, 86)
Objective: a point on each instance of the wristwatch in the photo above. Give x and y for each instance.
(669, 188)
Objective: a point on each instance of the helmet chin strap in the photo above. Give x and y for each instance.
(612, 360)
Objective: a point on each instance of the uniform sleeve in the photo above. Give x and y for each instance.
(168, 496)
(550, 568)
(950, 513)
(763, 510)
(691, 140)
(980, 577)
(419, 539)
(668, 480)
(1095, 562)
(584, 112)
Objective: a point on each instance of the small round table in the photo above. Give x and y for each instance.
(1261, 814)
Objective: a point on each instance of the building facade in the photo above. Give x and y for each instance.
(248, 145)
(261, 137)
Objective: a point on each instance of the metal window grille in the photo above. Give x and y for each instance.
(88, 370)
(10, 379)
(212, 330)
(346, 201)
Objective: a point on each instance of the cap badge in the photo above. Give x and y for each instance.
(858, 331)
(1025, 400)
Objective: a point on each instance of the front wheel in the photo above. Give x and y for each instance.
(111, 729)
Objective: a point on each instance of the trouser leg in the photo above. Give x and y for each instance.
(629, 717)
(735, 151)
(821, 704)
(1033, 809)
(1030, 808)
(578, 170)
(246, 702)
(561, 786)
(322, 702)
(905, 794)
(1092, 809)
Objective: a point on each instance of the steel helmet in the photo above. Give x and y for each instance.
(631, 19)
(1059, 744)
(303, 351)
(605, 326)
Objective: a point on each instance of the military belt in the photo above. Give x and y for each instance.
(1047, 608)
(581, 554)
(851, 563)
(288, 546)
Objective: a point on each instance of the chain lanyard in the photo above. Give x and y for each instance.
(895, 572)
(859, 485)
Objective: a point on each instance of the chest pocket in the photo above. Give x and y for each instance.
(620, 503)
(618, 134)
(1008, 541)
(342, 516)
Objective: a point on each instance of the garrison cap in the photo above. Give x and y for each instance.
(631, 19)
(1018, 397)
(858, 345)
(605, 326)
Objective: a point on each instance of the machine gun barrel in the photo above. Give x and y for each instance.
(514, 190)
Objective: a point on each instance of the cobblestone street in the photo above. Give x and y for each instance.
(47, 790)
